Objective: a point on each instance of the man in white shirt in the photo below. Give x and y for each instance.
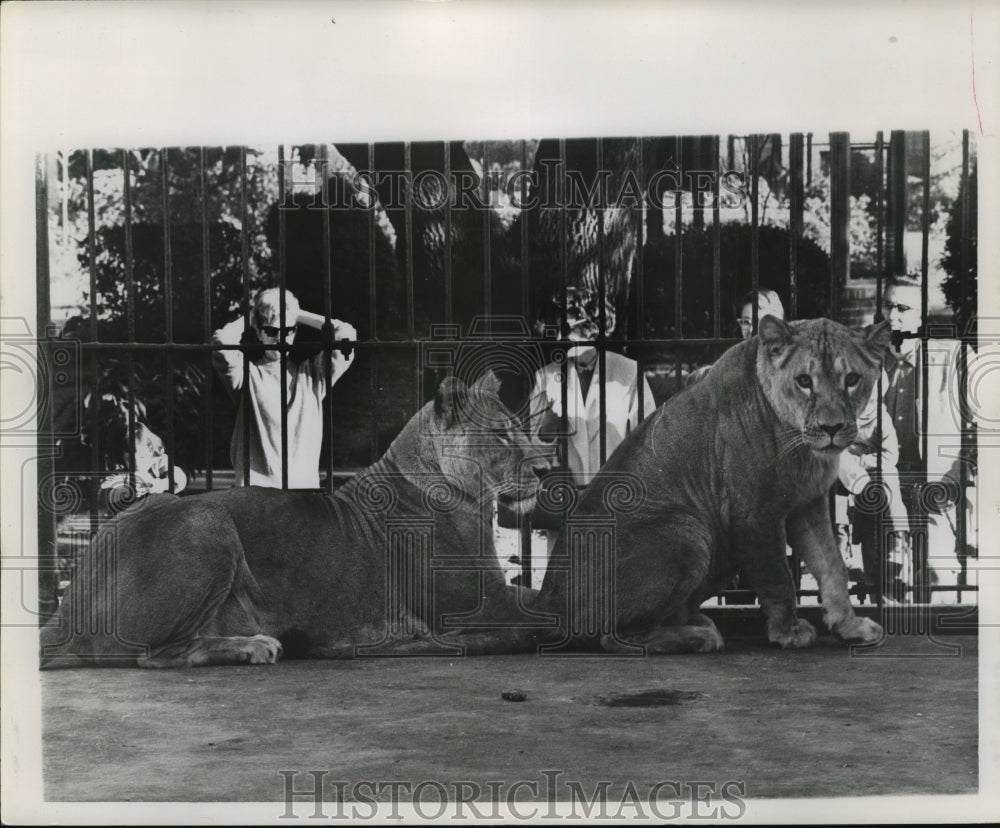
(306, 386)
(937, 560)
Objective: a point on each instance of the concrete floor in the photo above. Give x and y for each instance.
(817, 722)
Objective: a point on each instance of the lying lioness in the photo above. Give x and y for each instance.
(720, 478)
(377, 567)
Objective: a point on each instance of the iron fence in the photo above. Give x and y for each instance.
(410, 270)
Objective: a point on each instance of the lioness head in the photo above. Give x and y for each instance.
(479, 444)
(818, 375)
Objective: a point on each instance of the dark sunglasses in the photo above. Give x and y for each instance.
(271, 330)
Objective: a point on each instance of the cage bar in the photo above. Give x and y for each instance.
(168, 282)
(840, 217)
(679, 257)
(323, 155)
(449, 295)
(639, 217)
(372, 310)
(48, 575)
(129, 313)
(796, 209)
(487, 246)
(95, 382)
(206, 277)
(717, 238)
(408, 211)
(967, 436)
(561, 183)
(602, 320)
(283, 191)
(754, 169)
(245, 250)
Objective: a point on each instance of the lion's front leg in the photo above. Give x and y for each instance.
(762, 559)
(811, 536)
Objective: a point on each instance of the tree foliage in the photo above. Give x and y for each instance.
(951, 261)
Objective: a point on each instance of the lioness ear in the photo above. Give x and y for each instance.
(450, 399)
(774, 333)
(878, 338)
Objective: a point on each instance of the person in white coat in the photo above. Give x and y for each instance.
(930, 453)
(584, 375)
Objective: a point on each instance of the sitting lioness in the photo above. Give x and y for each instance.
(376, 567)
(720, 479)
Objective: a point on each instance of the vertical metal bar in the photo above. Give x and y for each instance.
(95, 435)
(897, 201)
(796, 219)
(91, 245)
(925, 172)
(372, 254)
(966, 228)
(95, 384)
(879, 264)
(324, 163)
(602, 320)
(678, 260)
(884, 574)
(372, 311)
(282, 302)
(408, 209)
(206, 278)
(717, 240)
(168, 287)
(48, 575)
(752, 164)
(678, 245)
(925, 219)
(487, 247)
(168, 381)
(168, 297)
(245, 250)
(525, 252)
(840, 215)
(640, 272)
(639, 213)
(564, 368)
(449, 298)
(129, 260)
(879, 222)
(967, 437)
(809, 159)
(524, 544)
(129, 312)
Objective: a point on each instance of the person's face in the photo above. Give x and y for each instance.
(269, 327)
(745, 319)
(901, 306)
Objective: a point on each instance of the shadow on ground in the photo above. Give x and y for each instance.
(820, 722)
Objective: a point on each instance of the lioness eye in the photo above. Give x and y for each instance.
(851, 380)
(804, 381)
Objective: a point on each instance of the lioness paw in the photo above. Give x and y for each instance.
(262, 649)
(800, 634)
(858, 630)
